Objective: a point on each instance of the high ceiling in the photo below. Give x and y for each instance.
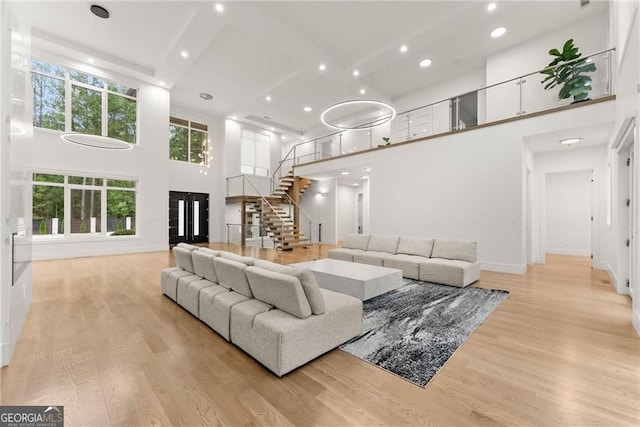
(255, 49)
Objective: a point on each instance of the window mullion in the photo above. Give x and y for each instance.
(105, 114)
(189, 143)
(103, 210)
(67, 104)
(67, 211)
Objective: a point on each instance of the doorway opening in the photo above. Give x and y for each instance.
(569, 213)
(188, 217)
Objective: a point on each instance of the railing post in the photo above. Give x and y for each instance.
(295, 154)
(227, 187)
(409, 126)
(227, 233)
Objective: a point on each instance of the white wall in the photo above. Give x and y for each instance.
(16, 148)
(628, 105)
(568, 211)
(348, 212)
(573, 159)
(467, 185)
(322, 209)
(190, 177)
(147, 162)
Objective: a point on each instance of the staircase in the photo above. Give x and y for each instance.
(280, 226)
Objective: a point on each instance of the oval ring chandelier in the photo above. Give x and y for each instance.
(369, 125)
(96, 141)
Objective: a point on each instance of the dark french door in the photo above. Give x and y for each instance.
(188, 217)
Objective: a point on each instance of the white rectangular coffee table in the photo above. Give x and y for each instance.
(358, 280)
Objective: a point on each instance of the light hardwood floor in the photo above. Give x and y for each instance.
(103, 341)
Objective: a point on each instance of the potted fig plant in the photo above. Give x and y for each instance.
(570, 70)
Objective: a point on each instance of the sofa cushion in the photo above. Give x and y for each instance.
(409, 264)
(188, 296)
(203, 265)
(356, 241)
(281, 290)
(231, 275)
(209, 251)
(183, 258)
(188, 246)
(371, 258)
(283, 342)
(455, 249)
(411, 246)
(344, 254)
(307, 280)
(215, 310)
(449, 271)
(237, 258)
(387, 244)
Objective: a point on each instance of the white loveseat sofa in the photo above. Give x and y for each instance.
(277, 314)
(448, 262)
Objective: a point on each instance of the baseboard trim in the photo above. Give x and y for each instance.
(563, 251)
(504, 268)
(635, 319)
(78, 253)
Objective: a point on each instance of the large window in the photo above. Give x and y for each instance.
(188, 141)
(255, 156)
(66, 205)
(72, 101)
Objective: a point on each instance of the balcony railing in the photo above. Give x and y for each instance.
(516, 97)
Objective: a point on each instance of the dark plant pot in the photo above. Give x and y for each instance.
(582, 100)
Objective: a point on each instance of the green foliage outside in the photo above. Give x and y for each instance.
(570, 72)
(49, 99)
(124, 233)
(43, 227)
(178, 143)
(119, 227)
(83, 227)
(198, 143)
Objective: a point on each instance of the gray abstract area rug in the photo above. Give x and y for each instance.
(412, 331)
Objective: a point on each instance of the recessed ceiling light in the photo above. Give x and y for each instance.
(363, 91)
(234, 118)
(425, 63)
(219, 7)
(355, 184)
(307, 109)
(322, 67)
(184, 54)
(99, 11)
(344, 172)
(283, 137)
(365, 177)
(367, 169)
(569, 141)
(267, 98)
(91, 60)
(272, 129)
(498, 32)
(206, 96)
(403, 48)
(356, 73)
(161, 84)
(491, 7)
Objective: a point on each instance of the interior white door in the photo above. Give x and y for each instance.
(569, 213)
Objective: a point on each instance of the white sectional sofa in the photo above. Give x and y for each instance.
(448, 262)
(277, 314)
